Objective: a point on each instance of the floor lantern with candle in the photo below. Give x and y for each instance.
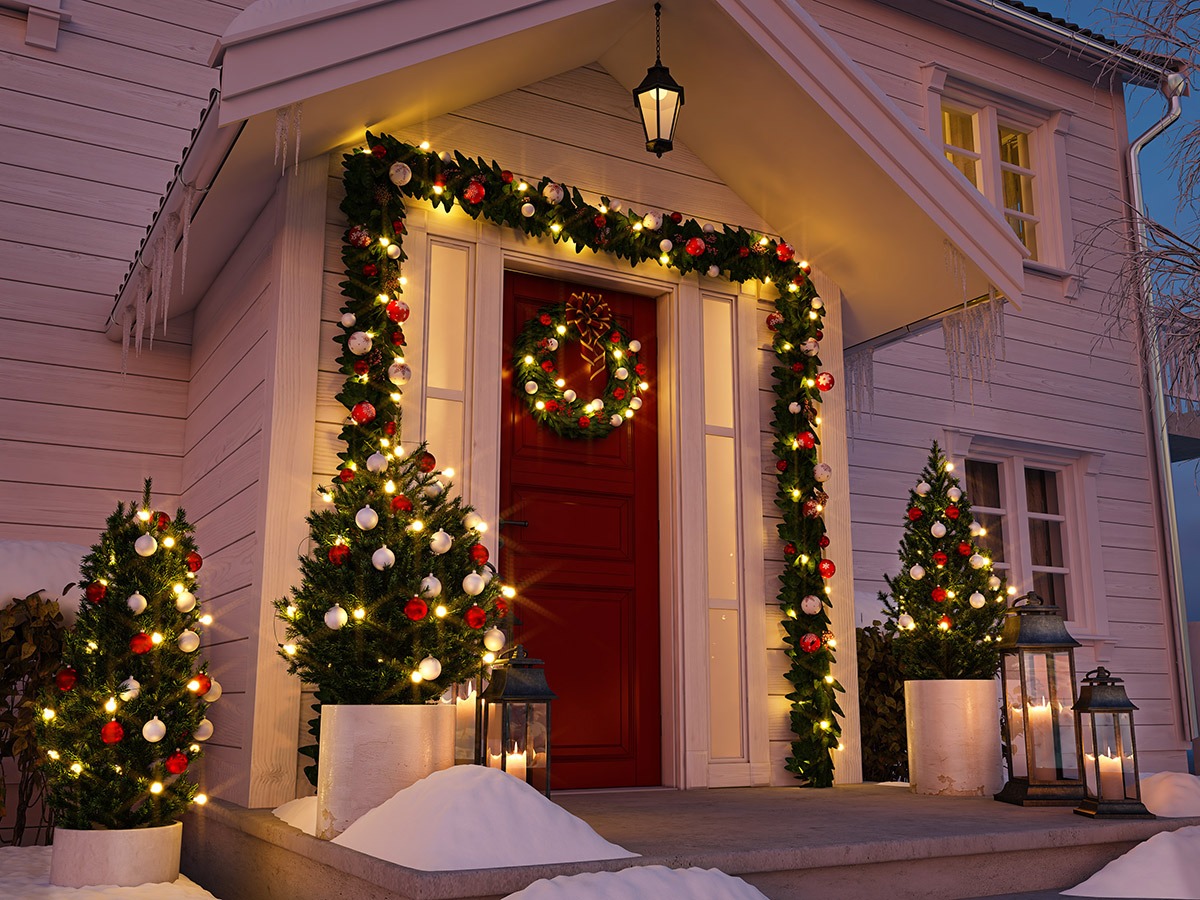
(516, 719)
(1041, 736)
(1109, 749)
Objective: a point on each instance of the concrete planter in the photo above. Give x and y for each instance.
(368, 753)
(953, 737)
(126, 857)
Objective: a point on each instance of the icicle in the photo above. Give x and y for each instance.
(974, 338)
(185, 214)
(140, 295)
(157, 254)
(859, 366)
(297, 112)
(123, 321)
(170, 239)
(281, 130)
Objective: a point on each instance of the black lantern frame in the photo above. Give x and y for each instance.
(1106, 721)
(1043, 751)
(517, 702)
(658, 98)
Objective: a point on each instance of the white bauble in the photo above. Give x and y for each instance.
(335, 617)
(203, 731)
(810, 605)
(528, 209)
(994, 582)
(811, 347)
(822, 472)
(154, 730)
(431, 586)
(433, 489)
(399, 373)
(185, 601)
(429, 668)
(531, 387)
(794, 408)
(473, 584)
(976, 529)
(446, 156)
(615, 419)
(553, 193)
(817, 303)
(924, 488)
(366, 518)
(977, 600)
(360, 343)
(137, 604)
(714, 271)
(597, 405)
(652, 221)
(393, 251)
(904, 621)
(622, 373)
(916, 573)
(616, 205)
(708, 228)
(569, 395)
(130, 688)
(551, 344)
(472, 521)
(145, 545)
(440, 542)
(938, 530)
(665, 245)
(486, 575)
(400, 174)
(494, 639)
(214, 693)
(635, 346)
(188, 641)
(383, 558)
(635, 403)
(954, 494)
(377, 463)
(348, 320)
(977, 561)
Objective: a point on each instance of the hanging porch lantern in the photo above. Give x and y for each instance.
(1041, 739)
(1109, 750)
(658, 97)
(516, 719)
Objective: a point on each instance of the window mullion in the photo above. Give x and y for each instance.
(1020, 511)
(987, 138)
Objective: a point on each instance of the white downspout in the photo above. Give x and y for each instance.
(1174, 86)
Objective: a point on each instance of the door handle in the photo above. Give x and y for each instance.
(520, 523)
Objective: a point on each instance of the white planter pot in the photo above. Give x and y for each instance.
(368, 753)
(126, 857)
(953, 737)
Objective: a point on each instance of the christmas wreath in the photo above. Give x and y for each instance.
(606, 347)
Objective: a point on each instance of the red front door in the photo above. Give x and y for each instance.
(586, 564)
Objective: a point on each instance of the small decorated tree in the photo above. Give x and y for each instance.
(945, 605)
(124, 720)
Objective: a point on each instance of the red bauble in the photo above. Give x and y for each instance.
(964, 548)
(66, 679)
(111, 732)
(810, 643)
(743, 252)
(781, 465)
(176, 763)
(952, 512)
(346, 475)
(398, 226)
(474, 192)
(163, 521)
(545, 319)
(379, 151)
(397, 310)
(389, 428)
(338, 554)
(476, 617)
(818, 334)
(797, 367)
(615, 337)
(358, 236)
(785, 252)
(439, 181)
(695, 246)
(140, 643)
(361, 367)
(807, 440)
(551, 406)
(599, 221)
(397, 338)
(416, 609)
(584, 422)
(506, 176)
(363, 412)
(370, 270)
(825, 381)
(789, 549)
(823, 541)
(193, 561)
(810, 508)
(945, 622)
(502, 608)
(914, 513)
(940, 558)
(547, 365)
(938, 595)
(203, 683)
(479, 554)
(676, 217)
(826, 568)
(400, 503)
(641, 369)
(427, 463)
(96, 591)
(774, 320)
(619, 394)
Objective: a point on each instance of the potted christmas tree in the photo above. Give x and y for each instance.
(124, 721)
(397, 602)
(944, 609)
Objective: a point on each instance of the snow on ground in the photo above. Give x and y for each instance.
(1172, 794)
(641, 882)
(25, 874)
(454, 819)
(1165, 867)
(301, 813)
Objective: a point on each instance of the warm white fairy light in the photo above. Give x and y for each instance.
(540, 404)
(111, 705)
(561, 329)
(178, 588)
(144, 515)
(47, 714)
(200, 799)
(156, 638)
(53, 754)
(156, 787)
(416, 525)
(416, 677)
(528, 360)
(508, 591)
(168, 542)
(359, 613)
(949, 467)
(489, 657)
(825, 724)
(289, 649)
(291, 611)
(389, 487)
(383, 242)
(441, 612)
(76, 768)
(559, 382)
(829, 679)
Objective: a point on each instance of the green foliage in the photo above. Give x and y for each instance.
(30, 655)
(881, 707)
(93, 784)
(948, 635)
(375, 210)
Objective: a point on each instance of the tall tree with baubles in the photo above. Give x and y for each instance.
(125, 722)
(946, 603)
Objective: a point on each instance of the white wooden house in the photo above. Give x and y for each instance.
(872, 135)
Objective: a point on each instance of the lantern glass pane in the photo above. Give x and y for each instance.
(1129, 785)
(658, 107)
(1014, 716)
(1049, 718)
(1089, 754)
(1108, 750)
(538, 745)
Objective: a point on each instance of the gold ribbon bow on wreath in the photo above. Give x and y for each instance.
(593, 320)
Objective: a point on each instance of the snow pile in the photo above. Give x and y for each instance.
(641, 882)
(301, 813)
(456, 819)
(1172, 794)
(29, 566)
(25, 873)
(1166, 866)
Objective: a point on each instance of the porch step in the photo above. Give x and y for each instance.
(844, 843)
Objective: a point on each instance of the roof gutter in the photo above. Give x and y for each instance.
(1173, 86)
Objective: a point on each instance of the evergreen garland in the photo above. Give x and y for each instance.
(380, 176)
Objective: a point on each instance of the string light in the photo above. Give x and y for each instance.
(829, 679)
(291, 611)
(416, 525)
(359, 613)
(168, 542)
(508, 592)
(111, 705)
(144, 515)
(47, 714)
(200, 799)
(53, 754)
(289, 649)
(489, 657)
(156, 638)
(416, 677)
(156, 788)
(76, 768)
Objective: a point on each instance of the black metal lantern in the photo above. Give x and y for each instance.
(515, 736)
(658, 97)
(1109, 749)
(1041, 736)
